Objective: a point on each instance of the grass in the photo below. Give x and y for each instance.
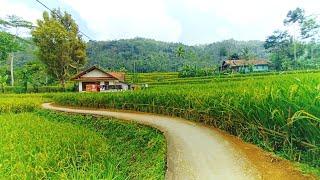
(278, 112)
(19, 103)
(41, 144)
(137, 151)
(164, 78)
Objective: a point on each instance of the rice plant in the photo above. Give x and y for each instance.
(277, 112)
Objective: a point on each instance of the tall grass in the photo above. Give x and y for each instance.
(279, 113)
(135, 151)
(40, 144)
(19, 103)
(33, 148)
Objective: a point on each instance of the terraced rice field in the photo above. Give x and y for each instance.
(280, 113)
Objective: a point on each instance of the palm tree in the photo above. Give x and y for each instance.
(180, 52)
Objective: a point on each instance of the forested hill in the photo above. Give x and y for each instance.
(150, 55)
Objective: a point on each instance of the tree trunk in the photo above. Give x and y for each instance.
(295, 54)
(63, 84)
(11, 69)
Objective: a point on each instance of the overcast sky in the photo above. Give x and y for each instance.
(187, 21)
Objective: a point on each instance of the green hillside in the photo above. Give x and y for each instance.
(154, 56)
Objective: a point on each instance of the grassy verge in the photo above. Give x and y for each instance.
(39, 144)
(139, 152)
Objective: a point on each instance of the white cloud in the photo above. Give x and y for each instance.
(254, 16)
(189, 21)
(19, 9)
(114, 19)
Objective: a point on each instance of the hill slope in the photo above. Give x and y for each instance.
(150, 55)
(155, 56)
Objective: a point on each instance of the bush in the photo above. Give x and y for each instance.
(42, 89)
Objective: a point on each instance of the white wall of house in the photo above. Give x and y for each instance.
(260, 68)
(95, 73)
(80, 86)
(124, 86)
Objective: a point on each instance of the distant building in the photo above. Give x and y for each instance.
(245, 65)
(95, 79)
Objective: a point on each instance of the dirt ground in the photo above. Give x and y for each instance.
(269, 166)
(199, 152)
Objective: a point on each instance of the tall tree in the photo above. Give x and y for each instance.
(223, 53)
(61, 47)
(278, 45)
(245, 53)
(7, 45)
(180, 52)
(295, 18)
(14, 23)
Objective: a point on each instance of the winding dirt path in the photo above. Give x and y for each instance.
(194, 151)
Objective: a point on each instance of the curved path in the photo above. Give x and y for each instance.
(194, 151)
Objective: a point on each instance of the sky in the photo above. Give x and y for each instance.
(191, 22)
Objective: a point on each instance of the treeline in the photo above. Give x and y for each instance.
(147, 55)
(297, 46)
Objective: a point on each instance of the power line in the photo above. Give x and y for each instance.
(60, 17)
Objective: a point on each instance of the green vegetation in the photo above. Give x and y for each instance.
(299, 49)
(173, 77)
(19, 103)
(43, 144)
(279, 113)
(33, 148)
(155, 56)
(61, 48)
(9, 42)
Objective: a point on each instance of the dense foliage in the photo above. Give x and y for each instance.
(154, 56)
(61, 48)
(278, 112)
(298, 45)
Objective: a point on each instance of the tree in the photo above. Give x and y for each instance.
(180, 52)
(295, 17)
(278, 44)
(32, 73)
(245, 53)
(309, 28)
(223, 53)
(234, 56)
(61, 47)
(14, 23)
(3, 82)
(7, 45)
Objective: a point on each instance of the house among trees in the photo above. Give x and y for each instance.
(245, 65)
(95, 79)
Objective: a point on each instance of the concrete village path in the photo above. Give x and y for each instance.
(193, 151)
